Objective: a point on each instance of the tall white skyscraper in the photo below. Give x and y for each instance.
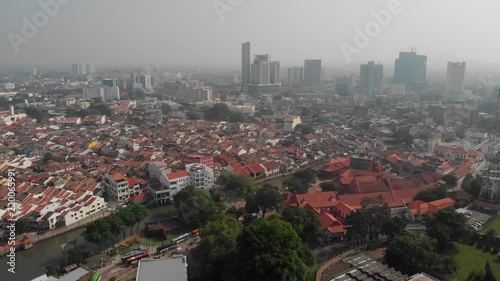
(90, 68)
(83, 68)
(455, 76)
(274, 76)
(245, 64)
(260, 70)
(147, 82)
(103, 92)
(295, 75)
(372, 78)
(75, 69)
(260, 73)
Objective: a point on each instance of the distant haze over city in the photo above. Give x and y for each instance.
(195, 33)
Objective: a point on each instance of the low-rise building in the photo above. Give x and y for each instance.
(291, 122)
(195, 174)
(120, 188)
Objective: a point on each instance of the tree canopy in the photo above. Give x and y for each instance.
(451, 180)
(218, 248)
(270, 249)
(304, 221)
(267, 197)
(196, 206)
(478, 275)
(330, 186)
(300, 181)
(447, 226)
(368, 221)
(305, 129)
(472, 185)
(431, 194)
(221, 112)
(412, 253)
(193, 115)
(105, 229)
(238, 183)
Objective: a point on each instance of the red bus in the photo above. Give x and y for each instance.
(137, 258)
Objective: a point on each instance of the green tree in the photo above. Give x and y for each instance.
(491, 235)
(304, 129)
(447, 226)
(115, 223)
(412, 253)
(472, 185)
(295, 185)
(393, 227)
(140, 212)
(431, 194)
(300, 181)
(196, 206)
(193, 115)
(368, 221)
(98, 232)
(128, 218)
(476, 275)
(101, 109)
(488, 274)
(236, 117)
(330, 186)
(267, 197)
(270, 249)
(22, 225)
(217, 252)
(221, 112)
(304, 221)
(451, 180)
(238, 183)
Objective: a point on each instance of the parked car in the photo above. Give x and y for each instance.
(478, 222)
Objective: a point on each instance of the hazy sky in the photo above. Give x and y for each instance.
(191, 32)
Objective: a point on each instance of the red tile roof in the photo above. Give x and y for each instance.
(271, 165)
(118, 176)
(177, 175)
(326, 220)
(140, 198)
(256, 168)
(132, 181)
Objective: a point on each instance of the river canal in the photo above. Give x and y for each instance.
(33, 262)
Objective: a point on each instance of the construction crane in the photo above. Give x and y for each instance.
(414, 49)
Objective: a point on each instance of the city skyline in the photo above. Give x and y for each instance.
(398, 35)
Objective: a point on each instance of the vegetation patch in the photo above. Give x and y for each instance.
(469, 259)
